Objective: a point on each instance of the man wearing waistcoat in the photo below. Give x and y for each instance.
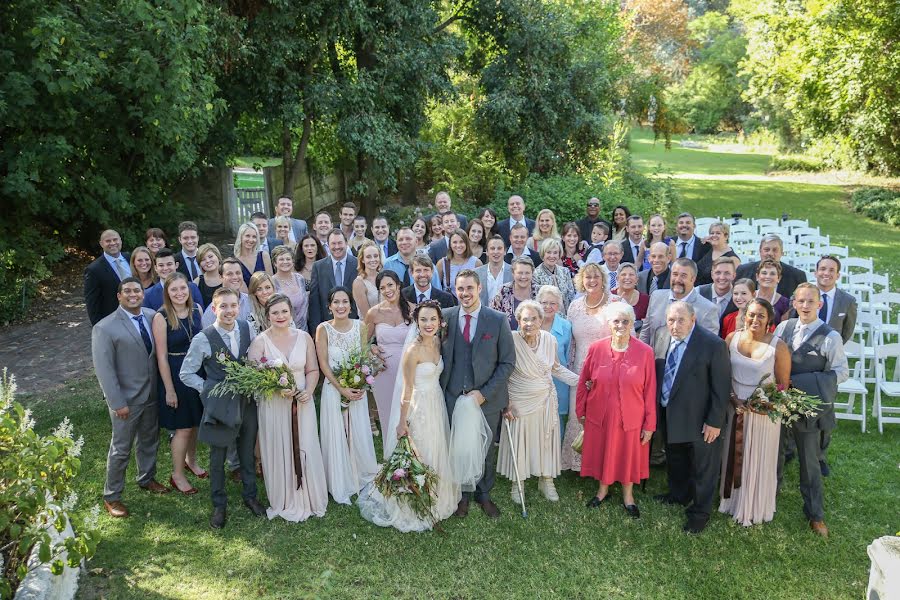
(227, 419)
(818, 365)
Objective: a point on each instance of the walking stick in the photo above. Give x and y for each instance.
(515, 456)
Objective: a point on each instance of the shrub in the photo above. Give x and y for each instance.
(37, 476)
(796, 162)
(881, 204)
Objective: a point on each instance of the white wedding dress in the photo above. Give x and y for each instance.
(429, 430)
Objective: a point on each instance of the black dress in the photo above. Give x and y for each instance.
(206, 291)
(704, 267)
(190, 410)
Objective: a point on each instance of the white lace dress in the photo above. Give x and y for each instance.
(346, 437)
(429, 430)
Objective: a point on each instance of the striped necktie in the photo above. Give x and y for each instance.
(671, 369)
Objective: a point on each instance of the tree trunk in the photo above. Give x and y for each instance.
(292, 161)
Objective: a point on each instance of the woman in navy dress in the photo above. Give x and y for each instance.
(180, 409)
(247, 251)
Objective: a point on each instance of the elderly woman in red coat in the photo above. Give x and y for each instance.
(616, 402)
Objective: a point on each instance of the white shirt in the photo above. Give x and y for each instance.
(688, 248)
(493, 283)
(472, 325)
(235, 335)
(419, 293)
(133, 322)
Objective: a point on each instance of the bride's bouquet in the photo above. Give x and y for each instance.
(782, 405)
(405, 477)
(257, 379)
(358, 369)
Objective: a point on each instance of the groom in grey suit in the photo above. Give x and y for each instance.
(125, 363)
(479, 357)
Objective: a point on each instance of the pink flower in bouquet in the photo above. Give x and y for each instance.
(366, 371)
(263, 359)
(370, 380)
(283, 380)
(398, 474)
(781, 387)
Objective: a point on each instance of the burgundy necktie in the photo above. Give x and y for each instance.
(466, 329)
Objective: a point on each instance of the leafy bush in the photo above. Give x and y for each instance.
(796, 162)
(880, 204)
(37, 476)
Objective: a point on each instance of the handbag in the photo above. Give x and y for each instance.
(579, 442)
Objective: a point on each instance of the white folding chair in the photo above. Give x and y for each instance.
(766, 223)
(781, 232)
(885, 386)
(887, 305)
(853, 387)
(863, 285)
(853, 265)
(839, 251)
(743, 234)
(798, 231)
(792, 223)
(807, 264)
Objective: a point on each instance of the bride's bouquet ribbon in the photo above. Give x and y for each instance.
(470, 440)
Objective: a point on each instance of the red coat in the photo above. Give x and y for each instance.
(621, 403)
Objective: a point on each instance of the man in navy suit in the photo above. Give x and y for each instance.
(438, 248)
(339, 268)
(165, 265)
(102, 277)
(633, 245)
(689, 245)
(381, 231)
(516, 207)
(187, 260)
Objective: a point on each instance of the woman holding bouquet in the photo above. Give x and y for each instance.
(749, 477)
(347, 447)
(423, 417)
(288, 436)
(532, 416)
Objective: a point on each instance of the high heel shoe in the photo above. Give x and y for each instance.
(595, 501)
(175, 487)
(200, 475)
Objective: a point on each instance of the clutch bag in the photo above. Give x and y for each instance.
(579, 442)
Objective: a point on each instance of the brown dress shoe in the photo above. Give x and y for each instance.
(462, 509)
(155, 487)
(490, 509)
(819, 528)
(116, 509)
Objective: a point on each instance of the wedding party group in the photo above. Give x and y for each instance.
(468, 346)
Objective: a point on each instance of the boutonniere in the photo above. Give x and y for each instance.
(443, 330)
(486, 337)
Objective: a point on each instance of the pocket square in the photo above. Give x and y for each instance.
(842, 314)
(486, 337)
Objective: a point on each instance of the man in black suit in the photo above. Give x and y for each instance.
(518, 238)
(687, 244)
(657, 276)
(694, 382)
(719, 291)
(422, 288)
(339, 268)
(437, 249)
(442, 204)
(591, 217)
(102, 277)
(772, 248)
(633, 244)
(516, 207)
(381, 232)
(186, 259)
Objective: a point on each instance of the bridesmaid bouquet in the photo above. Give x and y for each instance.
(358, 370)
(405, 477)
(782, 405)
(256, 379)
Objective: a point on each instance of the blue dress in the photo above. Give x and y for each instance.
(190, 410)
(562, 331)
(260, 266)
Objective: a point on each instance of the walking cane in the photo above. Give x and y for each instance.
(515, 457)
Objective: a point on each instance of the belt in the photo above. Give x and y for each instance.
(177, 353)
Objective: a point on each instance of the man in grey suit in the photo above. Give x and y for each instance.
(496, 272)
(479, 356)
(657, 276)
(122, 349)
(337, 269)
(285, 206)
(683, 275)
(838, 307)
(228, 419)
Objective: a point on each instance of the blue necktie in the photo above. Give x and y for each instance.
(144, 335)
(823, 312)
(669, 376)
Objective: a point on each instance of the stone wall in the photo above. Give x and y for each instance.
(209, 201)
(311, 194)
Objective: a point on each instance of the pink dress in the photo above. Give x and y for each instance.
(586, 329)
(391, 338)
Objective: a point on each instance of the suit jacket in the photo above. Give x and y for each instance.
(297, 225)
(699, 248)
(655, 322)
(463, 220)
(273, 243)
(183, 263)
(101, 284)
(701, 390)
(392, 248)
(445, 299)
(662, 283)
(706, 291)
(493, 358)
(628, 255)
(843, 314)
(503, 229)
(483, 275)
(534, 256)
(790, 276)
(127, 374)
(585, 226)
(321, 284)
(437, 250)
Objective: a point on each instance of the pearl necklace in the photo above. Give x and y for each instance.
(602, 298)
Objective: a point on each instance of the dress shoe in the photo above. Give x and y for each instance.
(516, 496)
(217, 520)
(236, 475)
(632, 510)
(789, 456)
(695, 525)
(188, 492)
(462, 509)
(201, 474)
(155, 487)
(595, 501)
(490, 509)
(116, 509)
(826, 471)
(667, 499)
(255, 507)
(545, 485)
(819, 528)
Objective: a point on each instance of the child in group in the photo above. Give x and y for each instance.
(599, 235)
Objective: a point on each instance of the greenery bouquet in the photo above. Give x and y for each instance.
(782, 404)
(359, 369)
(405, 477)
(257, 379)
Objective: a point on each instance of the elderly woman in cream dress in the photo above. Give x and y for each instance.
(532, 416)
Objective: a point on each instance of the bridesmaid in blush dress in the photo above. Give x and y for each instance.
(288, 434)
(389, 322)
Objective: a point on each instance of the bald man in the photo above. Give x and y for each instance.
(102, 277)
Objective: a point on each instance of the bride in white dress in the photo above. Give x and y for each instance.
(422, 416)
